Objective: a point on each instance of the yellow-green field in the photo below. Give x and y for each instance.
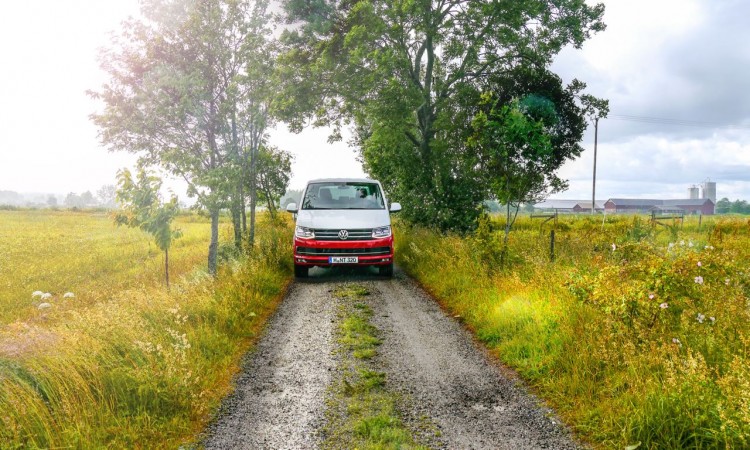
(84, 253)
(125, 363)
(638, 335)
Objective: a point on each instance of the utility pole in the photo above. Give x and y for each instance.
(593, 189)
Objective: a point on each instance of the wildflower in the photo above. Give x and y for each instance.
(664, 305)
(677, 341)
(709, 247)
(651, 296)
(690, 243)
(682, 243)
(614, 247)
(671, 244)
(45, 306)
(726, 281)
(699, 264)
(69, 295)
(699, 279)
(37, 294)
(700, 317)
(46, 296)
(712, 319)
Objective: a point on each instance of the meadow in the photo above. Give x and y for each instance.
(123, 362)
(639, 335)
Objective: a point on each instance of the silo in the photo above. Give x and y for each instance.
(709, 190)
(693, 192)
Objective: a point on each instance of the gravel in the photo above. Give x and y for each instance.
(453, 395)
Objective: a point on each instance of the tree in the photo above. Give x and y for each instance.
(723, 206)
(183, 94)
(73, 200)
(106, 195)
(52, 201)
(516, 153)
(274, 167)
(408, 75)
(142, 207)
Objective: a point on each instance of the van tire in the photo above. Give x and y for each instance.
(386, 270)
(300, 271)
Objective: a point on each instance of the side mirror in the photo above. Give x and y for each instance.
(395, 207)
(292, 208)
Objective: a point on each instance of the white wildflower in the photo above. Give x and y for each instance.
(664, 305)
(614, 247)
(37, 294)
(45, 306)
(69, 295)
(699, 279)
(700, 317)
(726, 281)
(677, 341)
(690, 243)
(712, 319)
(46, 296)
(699, 264)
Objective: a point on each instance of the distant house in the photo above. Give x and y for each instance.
(702, 206)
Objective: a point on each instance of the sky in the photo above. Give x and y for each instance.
(676, 72)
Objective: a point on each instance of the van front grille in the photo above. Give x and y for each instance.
(353, 235)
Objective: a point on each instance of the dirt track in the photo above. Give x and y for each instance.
(446, 381)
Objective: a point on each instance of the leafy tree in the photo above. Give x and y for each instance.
(106, 195)
(52, 201)
(408, 75)
(274, 168)
(73, 200)
(516, 153)
(723, 206)
(739, 207)
(142, 207)
(183, 95)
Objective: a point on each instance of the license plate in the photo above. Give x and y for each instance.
(343, 259)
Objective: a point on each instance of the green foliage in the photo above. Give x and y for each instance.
(142, 207)
(634, 337)
(408, 77)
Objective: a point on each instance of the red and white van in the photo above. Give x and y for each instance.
(343, 221)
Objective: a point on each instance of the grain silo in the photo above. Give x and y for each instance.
(693, 192)
(709, 190)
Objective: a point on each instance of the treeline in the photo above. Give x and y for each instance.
(725, 206)
(104, 198)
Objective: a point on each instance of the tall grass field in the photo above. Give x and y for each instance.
(95, 352)
(638, 334)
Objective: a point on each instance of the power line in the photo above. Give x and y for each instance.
(677, 122)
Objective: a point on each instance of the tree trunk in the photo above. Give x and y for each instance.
(166, 266)
(213, 247)
(237, 220)
(253, 197)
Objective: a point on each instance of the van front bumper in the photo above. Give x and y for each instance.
(311, 252)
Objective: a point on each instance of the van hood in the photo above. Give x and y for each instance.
(343, 218)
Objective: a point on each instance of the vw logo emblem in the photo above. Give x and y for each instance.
(343, 235)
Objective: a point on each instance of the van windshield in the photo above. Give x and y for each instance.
(343, 195)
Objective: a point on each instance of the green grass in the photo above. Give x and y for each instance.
(129, 364)
(362, 413)
(589, 332)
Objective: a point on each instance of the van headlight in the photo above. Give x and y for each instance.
(304, 232)
(381, 232)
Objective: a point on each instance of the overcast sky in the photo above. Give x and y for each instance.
(676, 72)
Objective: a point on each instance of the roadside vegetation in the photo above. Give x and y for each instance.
(638, 336)
(362, 413)
(123, 362)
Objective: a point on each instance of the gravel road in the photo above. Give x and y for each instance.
(454, 396)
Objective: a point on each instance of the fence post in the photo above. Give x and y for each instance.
(552, 245)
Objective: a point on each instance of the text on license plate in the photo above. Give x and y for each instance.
(343, 259)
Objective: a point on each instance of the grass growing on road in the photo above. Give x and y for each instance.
(137, 366)
(635, 334)
(362, 413)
